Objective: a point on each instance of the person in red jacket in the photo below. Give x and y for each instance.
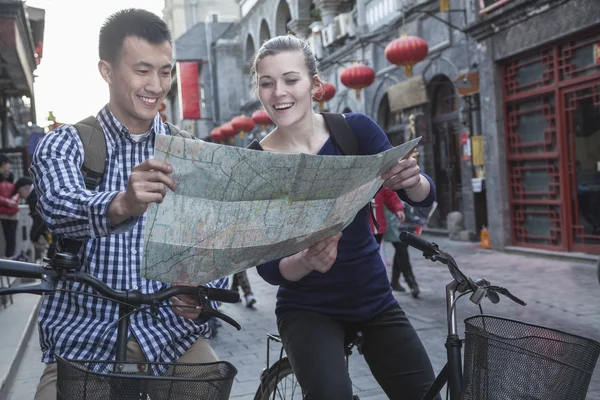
(10, 193)
(390, 200)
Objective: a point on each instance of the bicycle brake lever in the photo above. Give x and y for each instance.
(208, 310)
(508, 294)
(217, 314)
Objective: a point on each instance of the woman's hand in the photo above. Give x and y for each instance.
(321, 255)
(406, 174)
(401, 216)
(184, 305)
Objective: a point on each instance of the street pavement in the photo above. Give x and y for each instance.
(561, 294)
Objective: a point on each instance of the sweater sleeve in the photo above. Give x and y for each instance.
(373, 140)
(270, 273)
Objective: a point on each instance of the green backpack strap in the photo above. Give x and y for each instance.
(94, 162)
(94, 151)
(175, 131)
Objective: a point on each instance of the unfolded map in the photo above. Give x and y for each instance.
(235, 208)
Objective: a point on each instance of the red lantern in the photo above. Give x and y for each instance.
(260, 117)
(324, 93)
(406, 51)
(227, 131)
(242, 124)
(216, 135)
(357, 76)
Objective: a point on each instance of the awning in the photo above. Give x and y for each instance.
(17, 60)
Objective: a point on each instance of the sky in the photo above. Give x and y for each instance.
(67, 80)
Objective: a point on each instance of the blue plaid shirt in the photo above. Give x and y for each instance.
(83, 327)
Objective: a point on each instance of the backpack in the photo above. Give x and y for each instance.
(92, 137)
(94, 162)
(343, 137)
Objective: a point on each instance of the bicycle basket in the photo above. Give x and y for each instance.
(509, 360)
(88, 380)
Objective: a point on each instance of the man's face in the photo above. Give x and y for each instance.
(139, 81)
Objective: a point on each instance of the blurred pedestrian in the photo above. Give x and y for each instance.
(401, 264)
(240, 279)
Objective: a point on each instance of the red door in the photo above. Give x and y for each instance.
(581, 127)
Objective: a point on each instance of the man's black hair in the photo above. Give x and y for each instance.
(130, 22)
(4, 159)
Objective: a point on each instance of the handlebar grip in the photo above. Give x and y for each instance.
(222, 295)
(19, 269)
(418, 243)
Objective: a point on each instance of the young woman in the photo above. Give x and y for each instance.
(339, 285)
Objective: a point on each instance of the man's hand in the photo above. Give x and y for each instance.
(147, 184)
(185, 306)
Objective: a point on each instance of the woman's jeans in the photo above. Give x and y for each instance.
(314, 344)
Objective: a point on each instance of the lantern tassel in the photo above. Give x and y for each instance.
(408, 71)
(357, 94)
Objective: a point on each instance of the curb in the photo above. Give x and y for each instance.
(558, 255)
(6, 381)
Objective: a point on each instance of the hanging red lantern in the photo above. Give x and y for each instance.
(216, 134)
(406, 51)
(260, 117)
(227, 131)
(357, 77)
(324, 93)
(242, 124)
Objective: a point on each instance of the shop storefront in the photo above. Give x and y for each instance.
(552, 132)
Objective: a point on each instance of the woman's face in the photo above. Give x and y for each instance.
(5, 168)
(24, 191)
(285, 88)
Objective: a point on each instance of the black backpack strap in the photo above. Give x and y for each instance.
(94, 151)
(346, 140)
(342, 135)
(254, 145)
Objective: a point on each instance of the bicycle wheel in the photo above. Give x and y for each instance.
(280, 381)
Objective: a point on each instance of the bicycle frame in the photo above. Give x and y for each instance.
(451, 373)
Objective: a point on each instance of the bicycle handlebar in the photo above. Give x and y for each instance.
(432, 251)
(50, 276)
(423, 245)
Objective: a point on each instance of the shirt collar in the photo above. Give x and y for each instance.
(115, 129)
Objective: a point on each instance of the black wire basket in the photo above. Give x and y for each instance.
(511, 360)
(91, 380)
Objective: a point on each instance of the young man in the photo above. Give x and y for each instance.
(135, 61)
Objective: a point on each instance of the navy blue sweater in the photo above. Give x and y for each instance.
(356, 288)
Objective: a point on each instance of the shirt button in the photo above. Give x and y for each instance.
(134, 251)
(135, 287)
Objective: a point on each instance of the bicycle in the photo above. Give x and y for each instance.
(120, 379)
(503, 359)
